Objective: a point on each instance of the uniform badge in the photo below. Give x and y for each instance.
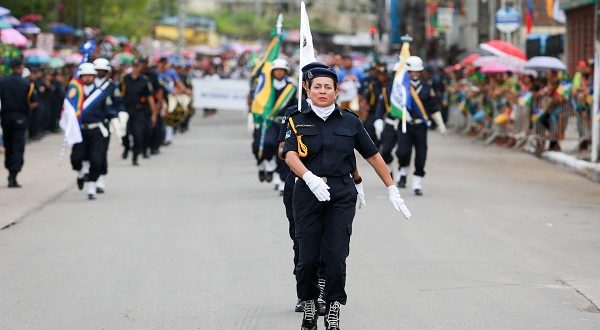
(283, 119)
(288, 134)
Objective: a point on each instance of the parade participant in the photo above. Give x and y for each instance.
(172, 84)
(17, 96)
(138, 100)
(155, 136)
(91, 115)
(425, 105)
(288, 191)
(371, 91)
(267, 126)
(113, 99)
(319, 148)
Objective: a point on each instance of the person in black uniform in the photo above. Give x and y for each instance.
(17, 96)
(420, 110)
(267, 127)
(113, 106)
(319, 148)
(137, 92)
(386, 123)
(93, 132)
(370, 93)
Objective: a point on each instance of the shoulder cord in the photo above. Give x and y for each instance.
(302, 149)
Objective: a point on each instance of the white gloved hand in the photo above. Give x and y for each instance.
(360, 197)
(378, 124)
(437, 117)
(318, 187)
(398, 202)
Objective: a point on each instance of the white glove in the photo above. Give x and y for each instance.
(318, 187)
(360, 197)
(398, 202)
(378, 124)
(437, 117)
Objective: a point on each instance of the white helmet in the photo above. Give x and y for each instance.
(280, 64)
(414, 63)
(102, 64)
(26, 73)
(87, 68)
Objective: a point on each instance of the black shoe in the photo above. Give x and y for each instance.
(135, 163)
(311, 315)
(261, 176)
(418, 192)
(320, 301)
(91, 197)
(125, 153)
(145, 155)
(332, 318)
(299, 306)
(155, 152)
(99, 190)
(402, 182)
(269, 176)
(80, 182)
(12, 181)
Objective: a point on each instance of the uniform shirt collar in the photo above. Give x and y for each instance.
(309, 109)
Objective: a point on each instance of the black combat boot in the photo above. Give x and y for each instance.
(299, 306)
(261, 175)
(12, 180)
(332, 317)
(402, 182)
(322, 305)
(134, 161)
(311, 315)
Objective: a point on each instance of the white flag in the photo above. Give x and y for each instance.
(70, 124)
(307, 52)
(558, 14)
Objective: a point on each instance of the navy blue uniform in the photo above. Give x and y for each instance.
(113, 106)
(93, 132)
(324, 228)
(416, 130)
(389, 135)
(135, 93)
(371, 91)
(16, 94)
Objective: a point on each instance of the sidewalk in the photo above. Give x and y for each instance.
(43, 178)
(572, 163)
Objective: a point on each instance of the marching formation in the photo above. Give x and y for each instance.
(305, 141)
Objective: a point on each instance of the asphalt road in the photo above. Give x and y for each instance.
(191, 240)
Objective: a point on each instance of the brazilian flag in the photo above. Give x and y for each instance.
(264, 94)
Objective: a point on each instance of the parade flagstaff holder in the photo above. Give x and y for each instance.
(319, 148)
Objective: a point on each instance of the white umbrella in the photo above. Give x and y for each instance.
(4, 11)
(545, 63)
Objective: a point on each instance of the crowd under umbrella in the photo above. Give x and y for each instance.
(495, 68)
(503, 48)
(56, 62)
(36, 56)
(28, 28)
(4, 11)
(62, 28)
(13, 37)
(542, 63)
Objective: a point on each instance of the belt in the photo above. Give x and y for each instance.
(325, 178)
(396, 122)
(91, 126)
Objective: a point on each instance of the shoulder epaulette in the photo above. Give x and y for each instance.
(350, 111)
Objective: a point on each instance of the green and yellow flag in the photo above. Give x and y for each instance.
(264, 94)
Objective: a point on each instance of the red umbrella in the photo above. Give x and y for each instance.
(469, 59)
(503, 48)
(33, 17)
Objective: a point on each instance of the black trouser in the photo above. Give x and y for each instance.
(389, 140)
(92, 149)
(323, 232)
(104, 167)
(157, 134)
(35, 122)
(288, 195)
(270, 144)
(138, 126)
(416, 135)
(14, 129)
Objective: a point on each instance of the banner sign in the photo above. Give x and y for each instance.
(221, 94)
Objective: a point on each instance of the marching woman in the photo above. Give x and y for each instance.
(319, 149)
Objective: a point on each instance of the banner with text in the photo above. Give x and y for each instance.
(222, 94)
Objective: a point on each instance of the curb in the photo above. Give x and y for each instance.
(581, 167)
